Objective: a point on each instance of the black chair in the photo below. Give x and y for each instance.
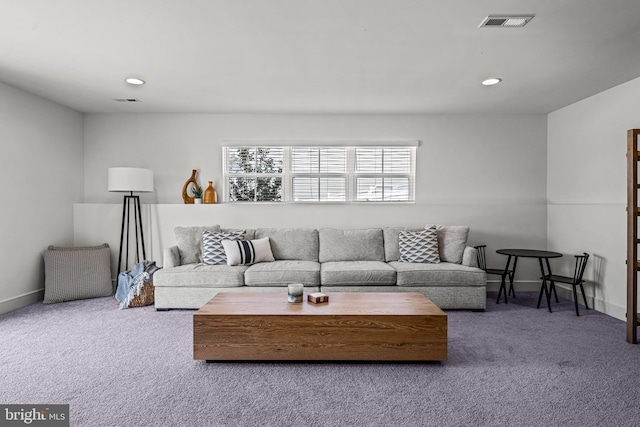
(575, 281)
(482, 264)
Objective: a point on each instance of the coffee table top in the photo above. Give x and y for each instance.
(340, 303)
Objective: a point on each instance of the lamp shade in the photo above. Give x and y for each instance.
(130, 179)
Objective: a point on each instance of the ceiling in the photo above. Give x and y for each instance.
(317, 56)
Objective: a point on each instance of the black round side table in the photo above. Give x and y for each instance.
(529, 253)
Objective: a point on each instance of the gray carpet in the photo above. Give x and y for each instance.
(512, 365)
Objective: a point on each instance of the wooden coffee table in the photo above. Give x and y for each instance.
(351, 326)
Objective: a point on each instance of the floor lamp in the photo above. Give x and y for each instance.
(130, 180)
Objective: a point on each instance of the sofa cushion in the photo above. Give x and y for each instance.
(212, 249)
(200, 276)
(351, 245)
(419, 246)
(189, 241)
(356, 273)
(391, 241)
(452, 239)
(442, 274)
(292, 243)
(282, 273)
(247, 252)
(249, 233)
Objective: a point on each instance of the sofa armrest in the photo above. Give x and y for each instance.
(470, 257)
(171, 257)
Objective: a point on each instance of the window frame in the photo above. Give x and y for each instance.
(351, 175)
(252, 175)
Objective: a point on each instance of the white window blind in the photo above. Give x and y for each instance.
(318, 160)
(319, 174)
(385, 174)
(384, 160)
(319, 189)
(334, 173)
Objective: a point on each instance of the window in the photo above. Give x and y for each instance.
(317, 174)
(254, 174)
(383, 174)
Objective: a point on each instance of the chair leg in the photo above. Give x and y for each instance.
(575, 299)
(503, 287)
(584, 297)
(543, 288)
(511, 290)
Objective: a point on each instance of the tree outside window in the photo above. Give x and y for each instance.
(247, 167)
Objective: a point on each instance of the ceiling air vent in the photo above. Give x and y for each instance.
(505, 21)
(128, 100)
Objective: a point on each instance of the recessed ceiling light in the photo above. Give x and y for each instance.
(492, 81)
(134, 81)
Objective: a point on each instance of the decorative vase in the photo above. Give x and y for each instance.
(185, 188)
(210, 194)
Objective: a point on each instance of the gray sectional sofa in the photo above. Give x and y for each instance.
(327, 260)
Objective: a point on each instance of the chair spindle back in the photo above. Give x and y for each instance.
(482, 260)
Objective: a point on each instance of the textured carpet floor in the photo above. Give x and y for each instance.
(512, 365)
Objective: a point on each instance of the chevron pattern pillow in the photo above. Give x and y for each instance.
(212, 249)
(419, 246)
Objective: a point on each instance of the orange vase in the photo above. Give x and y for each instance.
(209, 196)
(185, 195)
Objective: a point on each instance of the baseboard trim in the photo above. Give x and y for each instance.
(22, 300)
(518, 285)
(610, 309)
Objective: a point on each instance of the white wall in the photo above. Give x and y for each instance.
(40, 178)
(488, 171)
(462, 158)
(586, 188)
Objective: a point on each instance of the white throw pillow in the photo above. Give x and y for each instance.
(419, 246)
(246, 252)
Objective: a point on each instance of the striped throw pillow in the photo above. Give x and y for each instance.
(246, 252)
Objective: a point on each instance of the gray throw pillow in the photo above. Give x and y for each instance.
(77, 273)
(391, 241)
(292, 243)
(452, 239)
(420, 246)
(351, 245)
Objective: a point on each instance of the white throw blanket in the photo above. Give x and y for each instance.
(130, 282)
